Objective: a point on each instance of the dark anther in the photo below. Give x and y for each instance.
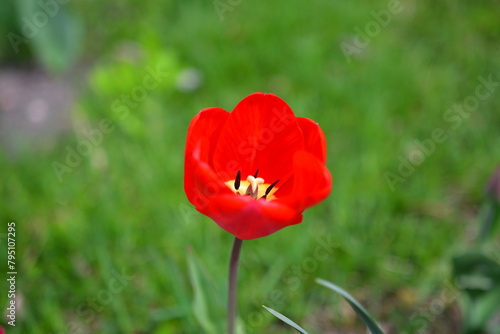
(268, 190)
(237, 181)
(256, 173)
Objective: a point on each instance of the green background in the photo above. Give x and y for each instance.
(122, 209)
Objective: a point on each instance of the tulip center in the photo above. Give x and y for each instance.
(253, 186)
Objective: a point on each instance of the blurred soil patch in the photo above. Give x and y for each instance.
(35, 106)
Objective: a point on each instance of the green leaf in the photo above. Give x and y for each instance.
(489, 217)
(53, 33)
(360, 310)
(476, 273)
(199, 303)
(285, 320)
(482, 310)
(478, 276)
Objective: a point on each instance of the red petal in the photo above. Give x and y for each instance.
(206, 125)
(261, 133)
(203, 132)
(205, 184)
(247, 218)
(310, 185)
(314, 138)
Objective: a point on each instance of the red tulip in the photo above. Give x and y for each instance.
(255, 170)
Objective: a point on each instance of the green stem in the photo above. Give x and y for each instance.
(233, 283)
(489, 218)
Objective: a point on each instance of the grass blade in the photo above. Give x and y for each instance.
(200, 307)
(285, 320)
(360, 310)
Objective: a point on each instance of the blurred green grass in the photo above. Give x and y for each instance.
(123, 209)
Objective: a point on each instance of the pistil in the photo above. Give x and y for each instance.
(253, 188)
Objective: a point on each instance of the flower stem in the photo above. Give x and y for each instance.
(233, 282)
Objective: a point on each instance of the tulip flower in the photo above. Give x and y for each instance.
(254, 171)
